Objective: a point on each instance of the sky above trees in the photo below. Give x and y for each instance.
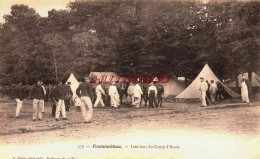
(41, 6)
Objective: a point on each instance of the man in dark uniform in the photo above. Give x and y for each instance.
(37, 94)
(145, 97)
(68, 96)
(208, 93)
(160, 92)
(58, 96)
(85, 92)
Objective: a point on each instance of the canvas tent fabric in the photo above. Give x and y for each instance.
(173, 87)
(74, 84)
(192, 91)
(255, 80)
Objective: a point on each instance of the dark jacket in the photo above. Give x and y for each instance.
(85, 89)
(160, 89)
(67, 90)
(58, 93)
(20, 92)
(37, 92)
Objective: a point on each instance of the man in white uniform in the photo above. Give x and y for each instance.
(130, 92)
(99, 92)
(203, 89)
(44, 91)
(244, 89)
(137, 94)
(114, 95)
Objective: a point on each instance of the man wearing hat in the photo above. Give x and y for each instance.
(85, 92)
(152, 94)
(203, 89)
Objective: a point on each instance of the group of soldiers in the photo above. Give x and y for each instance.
(87, 95)
(40, 94)
(211, 92)
(134, 92)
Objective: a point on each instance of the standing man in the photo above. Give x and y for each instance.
(203, 89)
(208, 94)
(244, 89)
(137, 94)
(220, 91)
(152, 94)
(68, 95)
(114, 96)
(130, 92)
(44, 91)
(84, 91)
(20, 96)
(37, 94)
(99, 92)
(160, 92)
(59, 96)
(145, 97)
(213, 91)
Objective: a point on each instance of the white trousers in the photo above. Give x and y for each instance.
(203, 98)
(60, 107)
(86, 103)
(132, 98)
(244, 92)
(114, 100)
(19, 106)
(37, 108)
(99, 99)
(137, 102)
(43, 106)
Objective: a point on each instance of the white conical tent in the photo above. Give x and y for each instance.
(74, 84)
(192, 91)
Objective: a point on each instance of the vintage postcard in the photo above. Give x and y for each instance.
(129, 79)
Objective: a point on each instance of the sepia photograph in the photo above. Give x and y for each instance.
(129, 79)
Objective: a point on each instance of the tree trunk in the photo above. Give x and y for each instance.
(250, 80)
(55, 65)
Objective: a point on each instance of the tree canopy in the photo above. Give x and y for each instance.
(133, 37)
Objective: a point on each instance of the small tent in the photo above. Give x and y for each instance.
(173, 87)
(74, 84)
(192, 91)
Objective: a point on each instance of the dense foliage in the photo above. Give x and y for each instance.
(133, 37)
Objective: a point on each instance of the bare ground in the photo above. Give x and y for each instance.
(235, 118)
